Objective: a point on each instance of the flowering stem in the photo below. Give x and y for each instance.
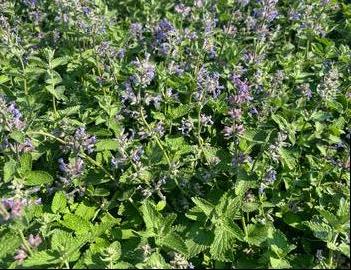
(25, 243)
(155, 137)
(46, 134)
(85, 156)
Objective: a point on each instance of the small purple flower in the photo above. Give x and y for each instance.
(187, 126)
(26, 147)
(208, 83)
(145, 72)
(86, 10)
(81, 141)
(306, 91)
(231, 131)
(159, 129)
(270, 176)
(34, 241)
(206, 120)
(72, 170)
(136, 30)
(121, 53)
(253, 111)
(182, 9)
(240, 159)
(235, 113)
(15, 206)
(21, 255)
(136, 155)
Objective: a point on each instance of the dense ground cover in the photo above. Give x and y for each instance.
(165, 134)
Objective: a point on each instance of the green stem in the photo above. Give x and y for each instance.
(25, 243)
(244, 226)
(85, 156)
(46, 134)
(155, 137)
(54, 105)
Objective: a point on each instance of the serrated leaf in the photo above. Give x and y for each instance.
(204, 205)
(9, 242)
(288, 158)
(231, 227)
(173, 241)
(279, 263)
(114, 250)
(106, 144)
(59, 61)
(279, 244)
(179, 111)
(84, 211)
(9, 170)
(18, 136)
(150, 215)
(76, 223)
(59, 202)
(3, 79)
(42, 258)
(36, 178)
(257, 234)
(320, 230)
(26, 162)
(222, 242)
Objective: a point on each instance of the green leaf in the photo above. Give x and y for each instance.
(9, 242)
(36, 178)
(3, 79)
(179, 111)
(59, 202)
(59, 61)
(76, 223)
(42, 258)
(174, 241)
(279, 244)
(9, 170)
(279, 263)
(281, 121)
(150, 215)
(204, 205)
(320, 230)
(161, 205)
(223, 240)
(84, 211)
(288, 158)
(18, 136)
(344, 249)
(26, 162)
(232, 228)
(62, 239)
(114, 251)
(106, 144)
(257, 234)
(155, 261)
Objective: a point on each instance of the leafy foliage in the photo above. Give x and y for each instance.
(175, 134)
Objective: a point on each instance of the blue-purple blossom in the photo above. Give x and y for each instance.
(145, 72)
(20, 256)
(206, 120)
(186, 127)
(270, 177)
(14, 207)
(136, 155)
(231, 131)
(81, 141)
(208, 82)
(71, 170)
(243, 92)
